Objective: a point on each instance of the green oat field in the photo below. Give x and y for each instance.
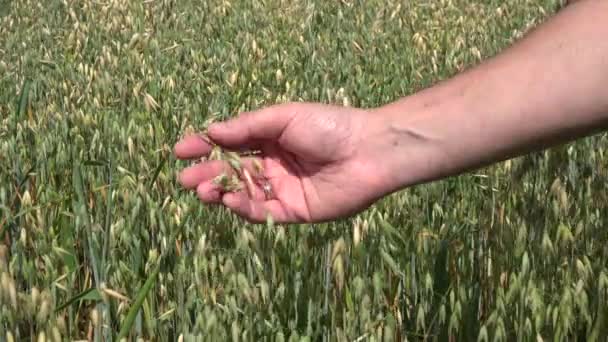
(99, 242)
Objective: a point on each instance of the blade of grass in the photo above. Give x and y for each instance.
(24, 98)
(139, 300)
(92, 162)
(441, 286)
(5, 7)
(82, 209)
(90, 294)
(108, 236)
(157, 171)
(108, 221)
(599, 326)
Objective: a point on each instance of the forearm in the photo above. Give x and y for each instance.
(549, 88)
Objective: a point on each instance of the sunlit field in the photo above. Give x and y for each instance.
(99, 242)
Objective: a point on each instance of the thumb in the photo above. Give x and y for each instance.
(251, 127)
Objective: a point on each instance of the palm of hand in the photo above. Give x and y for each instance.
(311, 193)
(313, 166)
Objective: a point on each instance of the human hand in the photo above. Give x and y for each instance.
(320, 161)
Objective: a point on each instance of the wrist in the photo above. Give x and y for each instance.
(415, 152)
(416, 138)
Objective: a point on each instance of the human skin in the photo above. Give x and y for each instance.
(328, 162)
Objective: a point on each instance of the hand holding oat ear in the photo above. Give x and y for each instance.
(316, 163)
(326, 162)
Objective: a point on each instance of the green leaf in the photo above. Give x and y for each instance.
(5, 7)
(24, 99)
(69, 259)
(157, 172)
(441, 277)
(139, 300)
(600, 326)
(81, 209)
(387, 227)
(91, 294)
(94, 162)
(441, 281)
(391, 263)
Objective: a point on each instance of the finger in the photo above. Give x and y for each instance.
(192, 176)
(192, 146)
(253, 210)
(249, 128)
(208, 192)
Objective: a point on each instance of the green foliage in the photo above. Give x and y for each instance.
(94, 95)
(134, 310)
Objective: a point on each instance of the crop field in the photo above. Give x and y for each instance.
(99, 242)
